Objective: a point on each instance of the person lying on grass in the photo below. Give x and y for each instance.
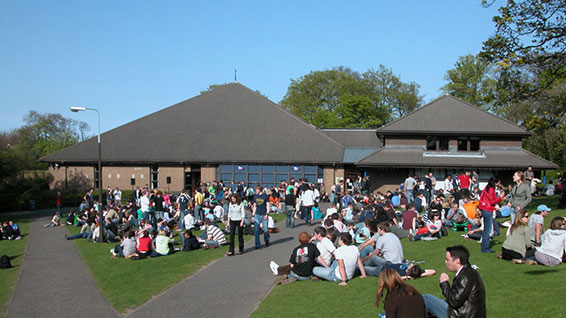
(303, 260)
(347, 260)
(407, 270)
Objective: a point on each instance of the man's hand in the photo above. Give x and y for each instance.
(444, 277)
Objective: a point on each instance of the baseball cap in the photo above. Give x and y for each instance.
(543, 207)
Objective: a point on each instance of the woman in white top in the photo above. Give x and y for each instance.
(236, 215)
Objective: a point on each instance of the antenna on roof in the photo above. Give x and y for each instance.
(235, 75)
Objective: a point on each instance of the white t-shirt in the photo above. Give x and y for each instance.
(390, 247)
(349, 254)
(218, 212)
(330, 211)
(117, 195)
(326, 248)
(144, 203)
(189, 222)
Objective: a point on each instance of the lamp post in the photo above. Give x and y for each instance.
(77, 109)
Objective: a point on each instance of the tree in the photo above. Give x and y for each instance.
(528, 32)
(42, 134)
(341, 97)
(472, 80)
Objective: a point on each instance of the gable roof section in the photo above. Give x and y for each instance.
(354, 138)
(230, 124)
(515, 158)
(449, 115)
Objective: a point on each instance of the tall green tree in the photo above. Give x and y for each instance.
(341, 97)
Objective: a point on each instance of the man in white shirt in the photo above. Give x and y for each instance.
(448, 185)
(144, 205)
(117, 197)
(347, 258)
(325, 247)
(388, 248)
(331, 210)
(307, 202)
(409, 185)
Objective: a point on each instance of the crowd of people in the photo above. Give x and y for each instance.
(358, 235)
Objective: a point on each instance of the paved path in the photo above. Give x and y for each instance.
(232, 286)
(54, 281)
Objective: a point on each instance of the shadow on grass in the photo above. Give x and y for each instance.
(14, 257)
(541, 272)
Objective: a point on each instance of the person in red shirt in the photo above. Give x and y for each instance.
(144, 244)
(464, 179)
(409, 218)
(488, 200)
(59, 203)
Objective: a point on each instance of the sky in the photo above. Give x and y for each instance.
(132, 58)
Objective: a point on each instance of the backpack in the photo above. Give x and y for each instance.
(5, 262)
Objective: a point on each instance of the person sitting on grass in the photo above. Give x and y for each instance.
(433, 228)
(324, 245)
(553, 244)
(214, 235)
(70, 220)
(55, 220)
(127, 248)
(163, 245)
(303, 260)
(387, 248)
(517, 245)
(402, 299)
(144, 243)
(189, 241)
(347, 260)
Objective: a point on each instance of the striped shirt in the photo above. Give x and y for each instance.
(213, 233)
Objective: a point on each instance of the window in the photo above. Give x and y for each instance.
(266, 175)
(468, 144)
(435, 143)
(431, 143)
(443, 144)
(154, 176)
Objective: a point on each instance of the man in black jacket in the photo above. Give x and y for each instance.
(466, 296)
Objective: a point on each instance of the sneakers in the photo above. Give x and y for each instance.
(518, 261)
(113, 252)
(411, 238)
(274, 268)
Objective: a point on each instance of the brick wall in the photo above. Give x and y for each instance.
(207, 174)
(177, 175)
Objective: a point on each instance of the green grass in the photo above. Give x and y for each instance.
(15, 250)
(128, 284)
(532, 291)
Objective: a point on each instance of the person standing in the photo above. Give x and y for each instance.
(117, 197)
(466, 296)
(529, 174)
(236, 215)
(402, 299)
(290, 203)
(409, 185)
(59, 203)
(488, 200)
(520, 194)
(307, 202)
(260, 206)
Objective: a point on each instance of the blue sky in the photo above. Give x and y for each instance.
(132, 58)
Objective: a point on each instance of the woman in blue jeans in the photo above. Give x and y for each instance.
(488, 200)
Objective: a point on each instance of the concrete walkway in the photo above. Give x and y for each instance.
(54, 281)
(232, 286)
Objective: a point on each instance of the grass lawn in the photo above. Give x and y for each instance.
(15, 250)
(531, 290)
(128, 284)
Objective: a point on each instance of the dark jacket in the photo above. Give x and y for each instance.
(466, 296)
(402, 306)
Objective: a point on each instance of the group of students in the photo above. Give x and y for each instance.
(10, 231)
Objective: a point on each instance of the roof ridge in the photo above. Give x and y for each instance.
(410, 113)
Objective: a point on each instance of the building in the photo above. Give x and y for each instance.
(234, 134)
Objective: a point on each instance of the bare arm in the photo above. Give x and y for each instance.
(342, 270)
(322, 262)
(361, 267)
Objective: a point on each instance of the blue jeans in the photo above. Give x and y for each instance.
(328, 274)
(307, 213)
(290, 220)
(487, 224)
(375, 261)
(409, 194)
(366, 250)
(199, 213)
(512, 214)
(86, 235)
(435, 305)
(259, 219)
(293, 275)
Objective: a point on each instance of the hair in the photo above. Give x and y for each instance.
(384, 226)
(238, 198)
(331, 232)
(320, 230)
(161, 232)
(518, 221)
(207, 222)
(328, 222)
(304, 237)
(415, 271)
(346, 238)
(390, 279)
(491, 183)
(372, 225)
(556, 223)
(520, 175)
(189, 233)
(410, 206)
(459, 252)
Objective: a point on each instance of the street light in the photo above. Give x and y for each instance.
(76, 109)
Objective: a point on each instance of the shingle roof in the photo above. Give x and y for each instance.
(354, 138)
(450, 115)
(228, 124)
(514, 158)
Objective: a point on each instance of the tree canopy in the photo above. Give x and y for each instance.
(343, 98)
